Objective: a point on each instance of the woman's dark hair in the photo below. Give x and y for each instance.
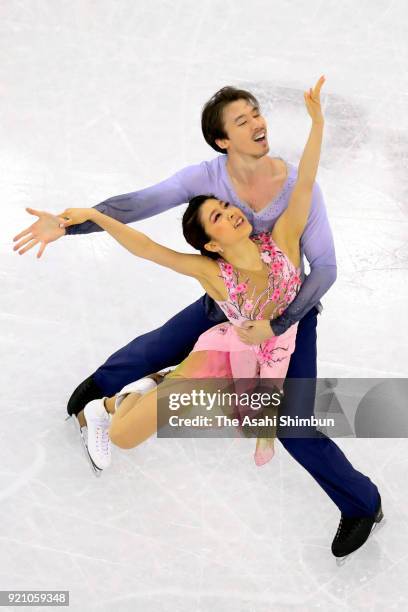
(212, 120)
(193, 229)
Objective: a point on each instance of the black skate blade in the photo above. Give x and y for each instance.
(340, 561)
(95, 469)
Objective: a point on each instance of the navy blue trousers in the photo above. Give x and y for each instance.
(352, 492)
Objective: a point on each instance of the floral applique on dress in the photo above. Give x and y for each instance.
(247, 302)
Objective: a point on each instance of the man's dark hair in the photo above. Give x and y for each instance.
(193, 229)
(212, 120)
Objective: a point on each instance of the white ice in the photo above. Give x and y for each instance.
(103, 98)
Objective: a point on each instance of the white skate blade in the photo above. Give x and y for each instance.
(95, 469)
(340, 561)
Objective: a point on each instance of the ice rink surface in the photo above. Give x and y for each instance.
(103, 98)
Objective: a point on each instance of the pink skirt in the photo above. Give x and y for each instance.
(220, 353)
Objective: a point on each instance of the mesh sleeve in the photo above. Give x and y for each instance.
(138, 205)
(318, 247)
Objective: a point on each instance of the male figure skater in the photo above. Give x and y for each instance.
(245, 175)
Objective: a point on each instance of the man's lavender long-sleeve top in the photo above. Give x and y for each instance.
(211, 177)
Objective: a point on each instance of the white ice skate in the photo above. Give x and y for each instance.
(97, 435)
(94, 436)
(83, 432)
(98, 442)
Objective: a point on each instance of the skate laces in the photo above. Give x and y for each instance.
(347, 525)
(102, 439)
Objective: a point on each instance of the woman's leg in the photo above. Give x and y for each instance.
(136, 418)
(265, 446)
(109, 402)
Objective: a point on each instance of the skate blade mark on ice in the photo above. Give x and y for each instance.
(379, 524)
(96, 470)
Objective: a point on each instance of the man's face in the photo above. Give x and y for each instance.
(224, 224)
(243, 124)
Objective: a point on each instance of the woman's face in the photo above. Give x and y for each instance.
(224, 223)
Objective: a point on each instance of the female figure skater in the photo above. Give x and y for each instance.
(250, 278)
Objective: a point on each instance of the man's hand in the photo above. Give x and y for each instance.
(255, 332)
(45, 230)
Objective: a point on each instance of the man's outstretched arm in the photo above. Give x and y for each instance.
(127, 208)
(138, 205)
(318, 247)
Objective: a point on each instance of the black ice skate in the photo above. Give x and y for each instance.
(85, 392)
(353, 532)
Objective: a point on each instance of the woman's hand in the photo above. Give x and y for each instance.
(312, 101)
(73, 216)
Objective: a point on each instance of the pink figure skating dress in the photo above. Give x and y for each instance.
(220, 353)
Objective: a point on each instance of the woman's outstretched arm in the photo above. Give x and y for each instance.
(139, 244)
(290, 225)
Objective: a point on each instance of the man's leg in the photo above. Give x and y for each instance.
(163, 347)
(352, 492)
